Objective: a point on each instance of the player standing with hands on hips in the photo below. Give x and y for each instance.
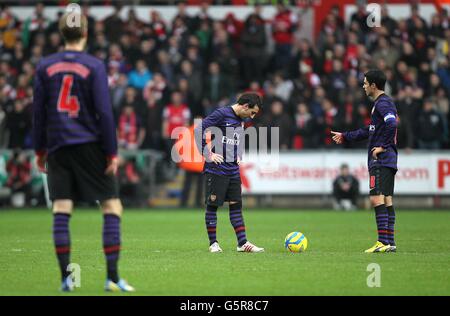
(382, 161)
(74, 137)
(221, 169)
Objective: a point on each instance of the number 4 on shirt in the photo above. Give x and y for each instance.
(66, 102)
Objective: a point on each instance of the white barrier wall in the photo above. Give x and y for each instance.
(143, 12)
(313, 173)
(397, 11)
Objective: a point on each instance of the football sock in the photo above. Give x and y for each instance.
(61, 238)
(381, 215)
(237, 221)
(391, 223)
(211, 223)
(111, 245)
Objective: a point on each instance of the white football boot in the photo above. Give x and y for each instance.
(249, 247)
(215, 247)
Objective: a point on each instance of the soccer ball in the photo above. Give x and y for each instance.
(296, 242)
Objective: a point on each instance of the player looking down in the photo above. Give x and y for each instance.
(223, 180)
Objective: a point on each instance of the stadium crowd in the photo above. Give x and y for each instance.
(162, 74)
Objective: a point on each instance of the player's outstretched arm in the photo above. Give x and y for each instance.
(353, 136)
(337, 137)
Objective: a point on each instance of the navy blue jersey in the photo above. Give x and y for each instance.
(231, 127)
(382, 132)
(71, 103)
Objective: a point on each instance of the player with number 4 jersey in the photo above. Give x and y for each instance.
(74, 137)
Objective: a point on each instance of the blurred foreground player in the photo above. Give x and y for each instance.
(75, 141)
(222, 175)
(382, 161)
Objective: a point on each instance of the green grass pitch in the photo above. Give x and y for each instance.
(165, 252)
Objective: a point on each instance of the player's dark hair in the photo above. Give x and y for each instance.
(377, 77)
(252, 99)
(70, 30)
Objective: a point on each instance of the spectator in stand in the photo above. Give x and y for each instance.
(255, 87)
(183, 16)
(223, 51)
(130, 50)
(166, 68)
(18, 123)
(360, 17)
(386, 52)
(330, 28)
(193, 54)
(415, 22)
(54, 45)
(175, 114)
(218, 89)
(131, 98)
(133, 27)
(174, 51)
(180, 34)
(188, 98)
(156, 90)
(345, 190)
(430, 127)
(138, 78)
(283, 87)
(203, 16)
(350, 118)
(305, 55)
(328, 122)
(337, 82)
(130, 132)
(148, 52)
(305, 128)
(113, 25)
(158, 26)
(129, 182)
(204, 35)
(34, 25)
(234, 28)
(9, 27)
(19, 178)
(409, 105)
(3, 139)
(283, 27)
(386, 19)
(194, 79)
(279, 119)
(118, 93)
(155, 97)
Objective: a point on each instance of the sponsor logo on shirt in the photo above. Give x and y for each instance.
(231, 141)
